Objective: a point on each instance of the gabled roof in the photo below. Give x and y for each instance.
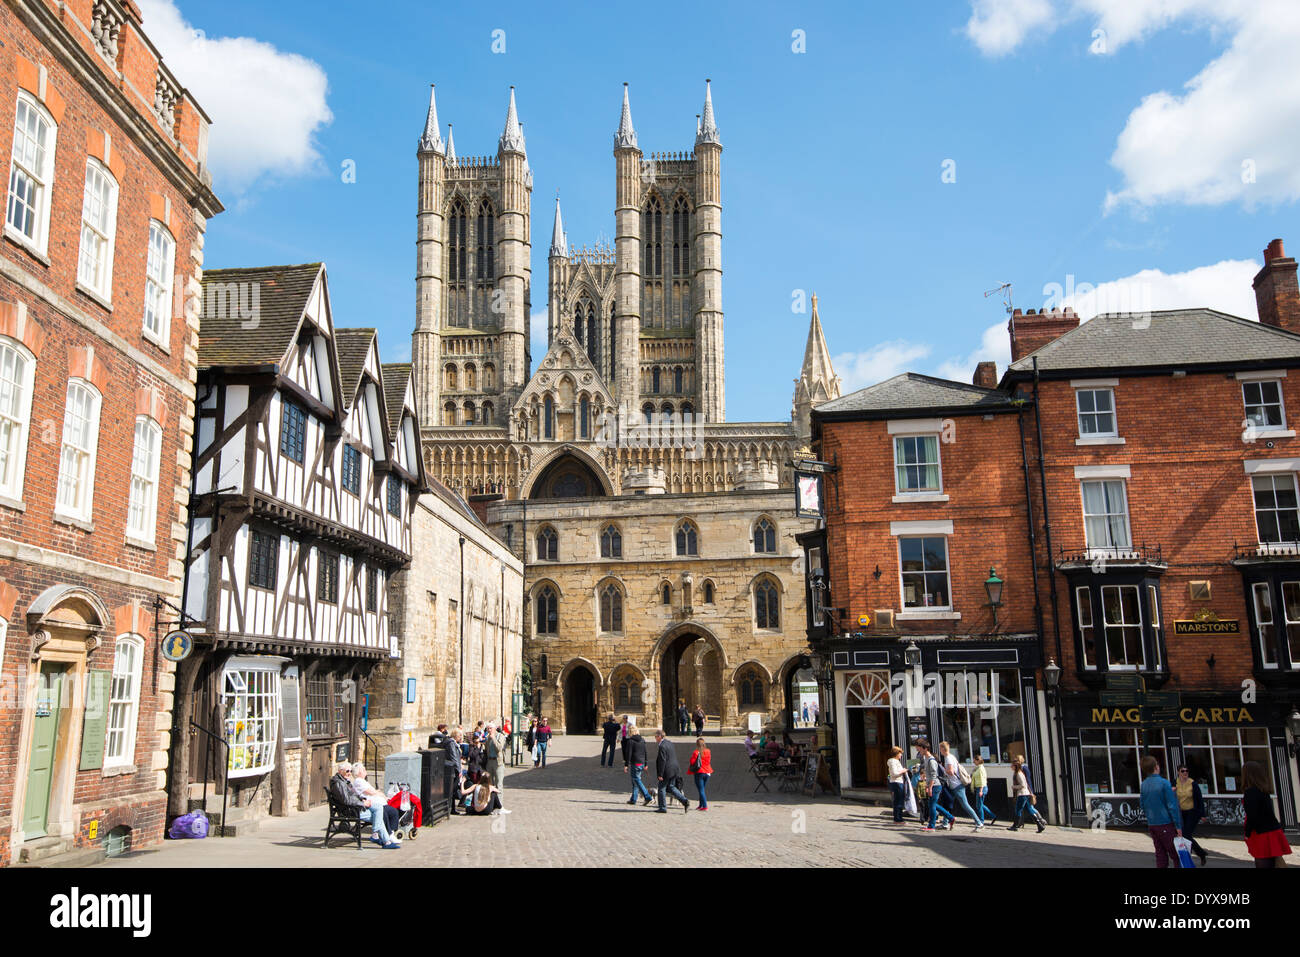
(915, 393)
(353, 346)
(227, 338)
(1169, 338)
(396, 376)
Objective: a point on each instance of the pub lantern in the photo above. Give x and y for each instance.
(912, 655)
(993, 588)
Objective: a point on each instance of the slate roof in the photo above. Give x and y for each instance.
(396, 376)
(1173, 337)
(912, 392)
(456, 502)
(353, 347)
(226, 338)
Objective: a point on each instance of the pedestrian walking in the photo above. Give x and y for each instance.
(931, 778)
(979, 782)
(530, 736)
(1024, 797)
(699, 720)
(683, 717)
(636, 765)
(623, 735)
(669, 773)
(702, 767)
(1160, 806)
(1192, 806)
(543, 738)
(1264, 838)
(611, 730)
(897, 782)
(955, 780)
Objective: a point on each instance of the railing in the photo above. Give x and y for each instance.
(1267, 550)
(215, 739)
(1143, 554)
(365, 757)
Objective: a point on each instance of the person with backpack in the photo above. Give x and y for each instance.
(1024, 796)
(636, 761)
(699, 720)
(669, 773)
(933, 785)
(702, 767)
(955, 781)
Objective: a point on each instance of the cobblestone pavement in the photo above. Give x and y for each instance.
(573, 813)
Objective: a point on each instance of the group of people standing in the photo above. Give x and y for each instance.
(937, 785)
(472, 767)
(668, 772)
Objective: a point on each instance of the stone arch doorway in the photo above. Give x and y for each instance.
(691, 666)
(801, 694)
(569, 474)
(580, 700)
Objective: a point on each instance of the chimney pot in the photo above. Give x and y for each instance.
(1277, 294)
(1274, 251)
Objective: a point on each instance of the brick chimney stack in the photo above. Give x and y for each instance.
(1276, 292)
(1031, 330)
(986, 375)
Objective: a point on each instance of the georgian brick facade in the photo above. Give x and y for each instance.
(80, 570)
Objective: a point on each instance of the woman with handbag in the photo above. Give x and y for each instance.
(543, 738)
(1192, 804)
(1024, 797)
(702, 767)
(1264, 838)
(897, 781)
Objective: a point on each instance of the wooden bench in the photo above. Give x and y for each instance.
(344, 819)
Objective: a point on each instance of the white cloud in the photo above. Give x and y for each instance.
(1230, 135)
(266, 105)
(884, 361)
(995, 346)
(1225, 286)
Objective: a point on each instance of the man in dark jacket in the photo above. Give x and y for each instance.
(669, 774)
(683, 718)
(369, 811)
(636, 764)
(610, 727)
(452, 771)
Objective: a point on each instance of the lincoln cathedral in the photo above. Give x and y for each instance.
(658, 538)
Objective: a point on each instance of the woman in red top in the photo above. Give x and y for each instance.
(702, 767)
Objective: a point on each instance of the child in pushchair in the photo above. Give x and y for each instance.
(408, 811)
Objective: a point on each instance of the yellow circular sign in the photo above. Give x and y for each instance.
(864, 620)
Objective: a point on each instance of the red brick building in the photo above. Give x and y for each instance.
(1147, 463)
(107, 197)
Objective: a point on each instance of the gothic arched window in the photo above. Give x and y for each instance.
(708, 592)
(750, 687)
(584, 418)
(449, 376)
(655, 380)
(548, 544)
(613, 342)
(764, 536)
(681, 240)
(469, 413)
(666, 594)
(627, 690)
(579, 326)
(688, 541)
(457, 222)
(767, 606)
(593, 338)
(548, 614)
(489, 377)
(548, 418)
(487, 413)
(677, 380)
(485, 257)
(611, 542)
(648, 410)
(611, 608)
(449, 414)
(471, 377)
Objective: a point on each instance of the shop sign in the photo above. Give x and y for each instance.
(1207, 622)
(177, 645)
(1171, 715)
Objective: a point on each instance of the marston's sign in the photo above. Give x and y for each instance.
(1227, 626)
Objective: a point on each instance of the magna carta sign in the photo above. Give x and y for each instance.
(1186, 715)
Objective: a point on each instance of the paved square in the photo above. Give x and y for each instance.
(574, 813)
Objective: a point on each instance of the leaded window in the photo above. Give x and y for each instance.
(263, 554)
(611, 609)
(548, 544)
(327, 577)
(764, 536)
(767, 605)
(548, 617)
(688, 542)
(394, 496)
(352, 469)
(611, 542)
(293, 431)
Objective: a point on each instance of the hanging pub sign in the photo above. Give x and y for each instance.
(1207, 622)
(177, 645)
(808, 495)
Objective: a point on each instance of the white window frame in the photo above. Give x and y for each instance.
(1261, 624)
(1124, 624)
(144, 482)
(911, 494)
(1088, 632)
(1289, 624)
(1111, 549)
(124, 702)
(1134, 745)
(248, 683)
(103, 234)
(1079, 413)
(902, 578)
(16, 386)
(160, 270)
(1214, 748)
(43, 178)
(1247, 405)
(1273, 478)
(82, 506)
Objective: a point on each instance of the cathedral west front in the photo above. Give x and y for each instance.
(658, 538)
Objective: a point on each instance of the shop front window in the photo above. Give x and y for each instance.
(1112, 758)
(250, 707)
(1214, 756)
(983, 715)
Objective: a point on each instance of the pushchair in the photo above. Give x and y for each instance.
(406, 827)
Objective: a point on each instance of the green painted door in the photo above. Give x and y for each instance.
(40, 773)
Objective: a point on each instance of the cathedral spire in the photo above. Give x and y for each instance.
(451, 148)
(431, 142)
(708, 129)
(817, 382)
(626, 135)
(559, 242)
(512, 139)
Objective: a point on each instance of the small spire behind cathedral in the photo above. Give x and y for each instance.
(512, 139)
(559, 241)
(431, 142)
(451, 148)
(626, 135)
(708, 131)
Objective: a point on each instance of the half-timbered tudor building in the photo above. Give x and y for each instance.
(305, 482)
(106, 199)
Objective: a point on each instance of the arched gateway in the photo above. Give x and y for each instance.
(691, 664)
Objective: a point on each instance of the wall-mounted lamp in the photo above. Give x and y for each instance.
(993, 588)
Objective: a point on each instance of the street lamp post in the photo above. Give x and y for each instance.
(993, 588)
(1052, 678)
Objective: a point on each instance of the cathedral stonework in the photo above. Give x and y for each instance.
(619, 431)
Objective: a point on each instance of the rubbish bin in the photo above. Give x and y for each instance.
(402, 767)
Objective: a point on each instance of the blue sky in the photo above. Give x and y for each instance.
(1078, 148)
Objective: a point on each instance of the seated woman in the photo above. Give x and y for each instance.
(751, 748)
(484, 797)
(368, 792)
(773, 746)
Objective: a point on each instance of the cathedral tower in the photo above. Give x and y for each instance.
(627, 251)
(473, 277)
(707, 285)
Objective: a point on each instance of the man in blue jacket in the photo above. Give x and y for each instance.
(1160, 805)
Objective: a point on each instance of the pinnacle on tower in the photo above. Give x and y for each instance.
(431, 142)
(708, 129)
(817, 357)
(626, 135)
(451, 148)
(559, 242)
(512, 139)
